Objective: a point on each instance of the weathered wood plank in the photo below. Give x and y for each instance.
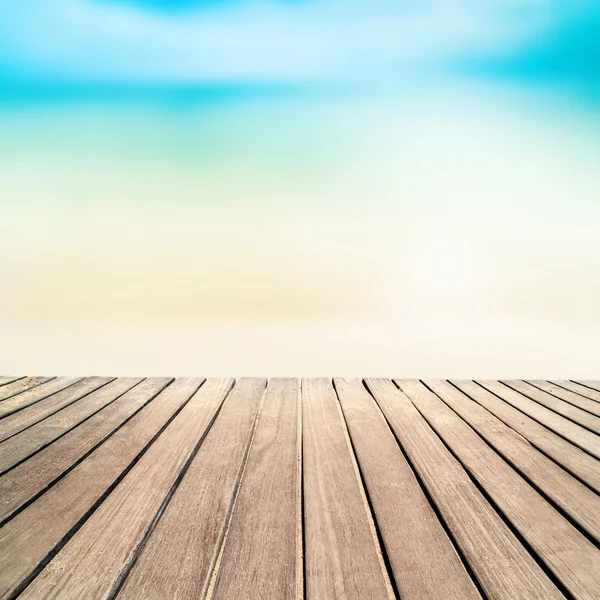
(18, 447)
(116, 493)
(573, 559)
(581, 417)
(22, 400)
(578, 388)
(21, 420)
(571, 457)
(96, 559)
(593, 385)
(341, 553)
(264, 532)
(501, 564)
(24, 482)
(7, 379)
(567, 395)
(579, 436)
(574, 498)
(424, 562)
(30, 538)
(17, 385)
(178, 558)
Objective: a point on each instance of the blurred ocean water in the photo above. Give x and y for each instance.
(439, 222)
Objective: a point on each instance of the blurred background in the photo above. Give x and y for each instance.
(300, 187)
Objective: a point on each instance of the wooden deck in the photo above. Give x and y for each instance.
(190, 488)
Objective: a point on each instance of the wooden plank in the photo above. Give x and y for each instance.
(579, 436)
(567, 395)
(264, 533)
(177, 560)
(572, 458)
(581, 417)
(582, 390)
(96, 559)
(573, 559)
(501, 564)
(21, 400)
(21, 384)
(592, 384)
(342, 556)
(20, 485)
(7, 379)
(424, 562)
(18, 447)
(574, 498)
(33, 535)
(22, 419)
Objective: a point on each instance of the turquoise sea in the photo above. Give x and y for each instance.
(447, 226)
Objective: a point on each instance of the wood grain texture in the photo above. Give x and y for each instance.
(424, 562)
(573, 559)
(20, 384)
(501, 564)
(592, 384)
(263, 531)
(567, 395)
(579, 436)
(5, 380)
(18, 447)
(573, 413)
(574, 498)
(178, 558)
(159, 488)
(96, 559)
(24, 482)
(30, 396)
(578, 388)
(342, 555)
(40, 529)
(572, 458)
(33, 414)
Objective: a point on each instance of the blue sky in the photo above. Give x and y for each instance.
(178, 6)
(297, 40)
